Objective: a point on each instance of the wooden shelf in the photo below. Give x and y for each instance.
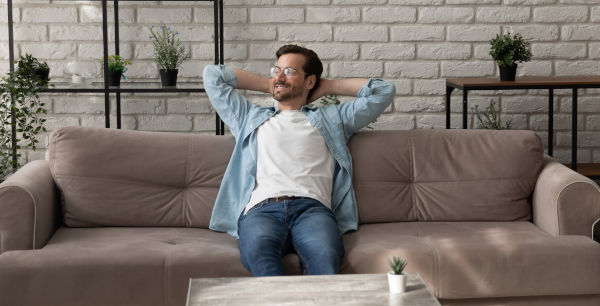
(525, 83)
(126, 86)
(590, 170)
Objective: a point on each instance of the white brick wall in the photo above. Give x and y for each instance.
(49, 14)
(276, 15)
(446, 14)
(164, 15)
(417, 33)
(415, 44)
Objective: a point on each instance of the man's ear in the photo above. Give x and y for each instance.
(311, 79)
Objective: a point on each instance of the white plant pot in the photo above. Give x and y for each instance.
(397, 282)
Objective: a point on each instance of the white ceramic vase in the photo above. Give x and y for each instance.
(397, 282)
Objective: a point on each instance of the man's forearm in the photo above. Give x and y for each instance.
(251, 81)
(343, 87)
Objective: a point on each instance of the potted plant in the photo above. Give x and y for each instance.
(116, 69)
(507, 51)
(490, 119)
(169, 53)
(20, 105)
(397, 277)
(31, 67)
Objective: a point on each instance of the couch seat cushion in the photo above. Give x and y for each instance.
(479, 259)
(119, 266)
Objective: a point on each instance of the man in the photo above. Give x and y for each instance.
(288, 185)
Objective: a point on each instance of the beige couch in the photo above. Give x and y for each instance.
(120, 218)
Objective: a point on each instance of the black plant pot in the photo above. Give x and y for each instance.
(42, 75)
(114, 78)
(508, 73)
(168, 77)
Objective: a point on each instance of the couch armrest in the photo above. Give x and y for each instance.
(564, 201)
(29, 208)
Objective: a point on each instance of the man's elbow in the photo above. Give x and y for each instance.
(388, 91)
(209, 72)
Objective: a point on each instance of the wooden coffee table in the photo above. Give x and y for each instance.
(341, 289)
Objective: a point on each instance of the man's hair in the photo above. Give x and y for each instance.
(312, 63)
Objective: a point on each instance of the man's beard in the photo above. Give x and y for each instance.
(290, 94)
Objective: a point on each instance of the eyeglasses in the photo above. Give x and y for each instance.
(289, 71)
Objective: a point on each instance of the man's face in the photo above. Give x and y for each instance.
(290, 87)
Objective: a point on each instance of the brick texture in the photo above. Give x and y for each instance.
(415, 44)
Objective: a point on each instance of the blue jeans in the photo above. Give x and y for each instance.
(270, 230)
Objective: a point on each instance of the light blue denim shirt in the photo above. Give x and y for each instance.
(336, 123)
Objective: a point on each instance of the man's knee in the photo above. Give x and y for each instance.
(325, 260)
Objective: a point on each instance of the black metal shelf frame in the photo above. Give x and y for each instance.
(450, 87)
(107, 90)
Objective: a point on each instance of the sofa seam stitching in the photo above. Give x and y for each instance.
(53, 145)
(23, 187)
(186, 183)
(134, 182)
(166, 280)
(435, 265)
(556, 200)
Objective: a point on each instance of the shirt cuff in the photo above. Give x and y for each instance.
(366, 90)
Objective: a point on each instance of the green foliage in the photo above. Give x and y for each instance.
(490, 118)
(30, 66)
(169, 51)
(116, 63)
(19, 96)
(329, 99)
(397, 264)
(507, 50)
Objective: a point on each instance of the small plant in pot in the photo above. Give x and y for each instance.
(31, 67)
(507, 51)
(169, 53)
(490, 118)
(116, 69)
(397, 277)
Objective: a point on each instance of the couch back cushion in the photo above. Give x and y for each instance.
(445, 175)
(113, 177)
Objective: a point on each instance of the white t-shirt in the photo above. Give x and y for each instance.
(293, 160)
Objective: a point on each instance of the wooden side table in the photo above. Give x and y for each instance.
(550, 83)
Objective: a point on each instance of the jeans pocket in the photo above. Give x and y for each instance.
(259, 205)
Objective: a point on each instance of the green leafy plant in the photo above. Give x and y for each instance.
(490, 118)
(397, 264)
(30, 66)
(329, 99)
(19, 99)
(508, 50)
(117, 63)
(169, 51)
